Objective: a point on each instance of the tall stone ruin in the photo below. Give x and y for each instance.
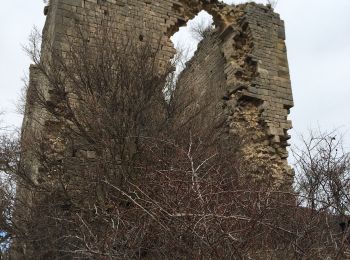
(237, 85)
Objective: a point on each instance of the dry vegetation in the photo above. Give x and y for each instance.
(114, 185)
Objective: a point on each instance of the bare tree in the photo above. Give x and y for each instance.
(322, 182)
(201, 30)
(323, 172)
(9, 158)
(272, 3)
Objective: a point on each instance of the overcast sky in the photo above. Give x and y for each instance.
(318, 43)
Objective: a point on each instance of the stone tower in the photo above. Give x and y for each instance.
(237, 85)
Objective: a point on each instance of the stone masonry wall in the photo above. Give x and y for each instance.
(236, 85)
(200, 89)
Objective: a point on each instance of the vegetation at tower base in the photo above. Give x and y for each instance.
(106, 169)
(182, 200)
(107, 192)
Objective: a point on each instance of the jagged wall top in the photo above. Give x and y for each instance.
(250, 38)
(156, 21)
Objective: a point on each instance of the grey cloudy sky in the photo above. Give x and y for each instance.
(318, 42)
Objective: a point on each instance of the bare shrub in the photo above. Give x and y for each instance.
(323, 172)
(9, 161)
(272, 3)
(322, 182)
(201, 30)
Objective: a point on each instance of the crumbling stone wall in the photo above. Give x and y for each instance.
(237, 85)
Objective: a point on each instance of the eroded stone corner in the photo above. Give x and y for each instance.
(258, 90)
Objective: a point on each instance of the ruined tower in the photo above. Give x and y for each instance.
(236, 87)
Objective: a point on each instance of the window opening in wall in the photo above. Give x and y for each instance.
(186, 42)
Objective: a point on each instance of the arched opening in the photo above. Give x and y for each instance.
(186, 41)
